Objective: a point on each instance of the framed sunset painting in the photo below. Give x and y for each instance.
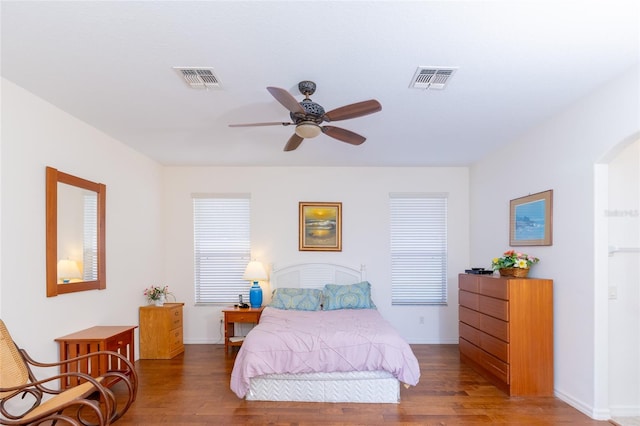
(320, 226)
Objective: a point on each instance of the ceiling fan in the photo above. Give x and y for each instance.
(308, 116)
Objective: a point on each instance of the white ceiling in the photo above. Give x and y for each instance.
(110, 63)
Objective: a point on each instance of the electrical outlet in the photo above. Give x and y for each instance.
(421, 320)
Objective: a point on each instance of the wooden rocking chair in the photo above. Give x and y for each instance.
(89, 403)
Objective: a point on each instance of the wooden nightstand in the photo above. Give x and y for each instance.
(234, 315)
(161, 331)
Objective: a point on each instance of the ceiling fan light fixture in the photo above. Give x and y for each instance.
(308, 129)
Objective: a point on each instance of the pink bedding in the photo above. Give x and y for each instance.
(288, 341)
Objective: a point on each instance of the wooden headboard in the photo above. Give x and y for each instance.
(314, 275)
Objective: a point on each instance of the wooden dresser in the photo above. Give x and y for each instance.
(506, 331)
(161, 331)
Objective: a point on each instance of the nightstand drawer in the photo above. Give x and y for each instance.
(175, 340)
(118, 343)
(176, 317)
(242, 317)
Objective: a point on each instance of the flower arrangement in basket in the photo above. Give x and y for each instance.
(513, 264)
(157, 295)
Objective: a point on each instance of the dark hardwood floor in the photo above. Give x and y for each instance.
(193, 389)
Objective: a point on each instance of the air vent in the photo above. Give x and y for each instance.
(199, 78)
(432, 77)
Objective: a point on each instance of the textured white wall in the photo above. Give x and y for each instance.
(35, 135)
(276, 191)
(560, 155)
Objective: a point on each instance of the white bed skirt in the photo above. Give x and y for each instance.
(365, 386)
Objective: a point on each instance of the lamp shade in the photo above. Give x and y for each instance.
(67, 270)
(255, 272)
(308, 129)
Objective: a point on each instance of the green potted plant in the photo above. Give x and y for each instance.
(157, 295)
(513, 263)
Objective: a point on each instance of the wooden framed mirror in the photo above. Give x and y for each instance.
(75, 234)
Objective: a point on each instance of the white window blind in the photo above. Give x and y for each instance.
(418, 249)
(222, 247)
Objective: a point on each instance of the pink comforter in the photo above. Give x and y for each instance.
(322, 341)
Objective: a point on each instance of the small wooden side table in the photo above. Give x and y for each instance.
(118, 339)
(234, 315)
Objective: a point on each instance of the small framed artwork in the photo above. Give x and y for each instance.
(531, 220)
(320, 226)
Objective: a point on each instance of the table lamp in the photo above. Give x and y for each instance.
(255, 272)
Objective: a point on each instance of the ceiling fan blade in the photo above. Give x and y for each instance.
(353, 110)
(293, 142)
(285, 98)
(343, 135)
(273, 123)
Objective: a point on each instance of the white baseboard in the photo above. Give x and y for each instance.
(625, 411)
(584, 408)
(203, 342)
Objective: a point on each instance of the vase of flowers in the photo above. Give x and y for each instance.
(157, 295)
(513, 264)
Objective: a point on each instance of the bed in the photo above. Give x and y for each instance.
(342, 352)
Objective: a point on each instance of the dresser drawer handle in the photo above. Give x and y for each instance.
(120, 342)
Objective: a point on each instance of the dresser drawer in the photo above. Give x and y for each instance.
(493, 307)
(490, 325)
(495, 327)
(497, 287)
(469, 316)
(495, 366)
(488, 362)
(469, 300)
(470, 350)
(469, 283)
(494, 346)
(469, 333)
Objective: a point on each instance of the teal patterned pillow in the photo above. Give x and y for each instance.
(353, 296)
(300, 299)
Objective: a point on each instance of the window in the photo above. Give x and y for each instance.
(222, 247)
(418, 249)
